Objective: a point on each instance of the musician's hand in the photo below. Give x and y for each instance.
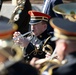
(47, 55)
(32, 62)
(22, 41)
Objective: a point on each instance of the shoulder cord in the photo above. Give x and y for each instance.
(47, 45)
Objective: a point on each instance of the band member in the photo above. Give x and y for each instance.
(65, 37)
(33, 45)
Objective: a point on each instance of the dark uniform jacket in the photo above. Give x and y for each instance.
(35, 47)
(69, 68)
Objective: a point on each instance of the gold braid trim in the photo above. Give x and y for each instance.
(47, 45)
(47, 40)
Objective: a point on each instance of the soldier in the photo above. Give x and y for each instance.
(65, 37)
(39, 37)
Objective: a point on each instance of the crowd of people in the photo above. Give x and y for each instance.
(52, 39)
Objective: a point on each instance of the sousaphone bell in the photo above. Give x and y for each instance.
(68, 10)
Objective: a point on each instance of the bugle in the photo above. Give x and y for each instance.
(23, 35)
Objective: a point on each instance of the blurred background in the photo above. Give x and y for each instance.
(9, 5)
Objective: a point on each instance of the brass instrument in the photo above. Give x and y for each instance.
(48, 64)
(18, 9)
(41, 61)
(9, 55)
(25, 34)
(68, 10)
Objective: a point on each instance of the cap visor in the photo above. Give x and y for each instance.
(31, 23)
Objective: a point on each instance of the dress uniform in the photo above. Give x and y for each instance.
(35, 47)
(63, 29)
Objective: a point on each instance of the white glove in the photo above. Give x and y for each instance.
(22, 41)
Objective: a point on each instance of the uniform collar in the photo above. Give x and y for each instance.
(43, 36)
